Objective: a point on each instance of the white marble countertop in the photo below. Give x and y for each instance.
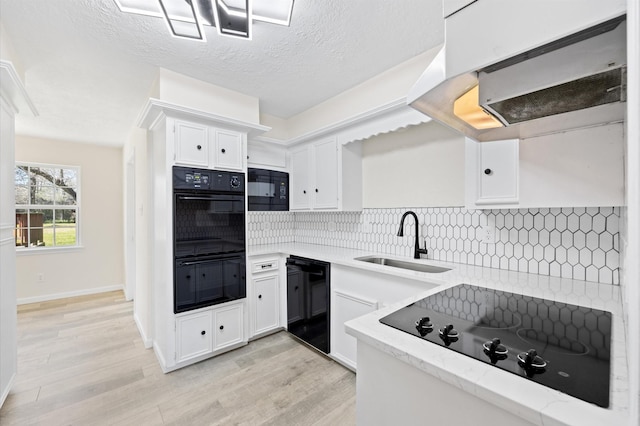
(536, 403)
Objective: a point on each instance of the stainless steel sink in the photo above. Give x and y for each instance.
(420, 267)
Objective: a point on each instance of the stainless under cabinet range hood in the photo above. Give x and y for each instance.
(573, 82)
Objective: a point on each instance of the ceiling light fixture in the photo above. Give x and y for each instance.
(233, 17)
(186, 18)
(182, 18)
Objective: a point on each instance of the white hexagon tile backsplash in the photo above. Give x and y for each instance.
(578, 243)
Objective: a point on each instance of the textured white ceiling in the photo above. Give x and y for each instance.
(89, 67)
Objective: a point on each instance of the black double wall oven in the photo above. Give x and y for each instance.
(209, 237)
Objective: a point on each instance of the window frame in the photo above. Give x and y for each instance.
(54, 207)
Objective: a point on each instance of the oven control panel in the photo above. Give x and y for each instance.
(196, 179)
(208, 180)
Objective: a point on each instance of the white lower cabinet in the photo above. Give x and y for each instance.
(264, 297)
(205, 332)
(356, 292)
(266, 293)
(345, 307)
(194, 336)
(228, 326)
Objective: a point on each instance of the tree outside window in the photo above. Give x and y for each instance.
(46, 205)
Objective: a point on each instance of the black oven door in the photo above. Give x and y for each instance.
(208, 224)
(205, 281)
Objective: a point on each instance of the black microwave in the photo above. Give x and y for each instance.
(267, 190)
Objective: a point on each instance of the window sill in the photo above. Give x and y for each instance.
(46, 250)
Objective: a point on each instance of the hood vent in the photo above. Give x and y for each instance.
(587, 92)
(577, 81)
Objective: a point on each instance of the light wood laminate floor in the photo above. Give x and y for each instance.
(81, 362)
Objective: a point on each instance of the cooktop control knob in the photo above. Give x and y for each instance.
(448, 334)
(531, 362)
(235, 182)
(424, 326)
(495, 350)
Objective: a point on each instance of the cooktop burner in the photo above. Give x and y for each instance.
(565, 347)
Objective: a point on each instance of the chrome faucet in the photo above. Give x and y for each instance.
(416, 249)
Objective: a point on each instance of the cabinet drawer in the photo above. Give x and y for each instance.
(228, 326)
(264, 266)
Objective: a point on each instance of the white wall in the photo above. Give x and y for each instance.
(421, 166)
(136, 147)
(182, 90)
(382, 89)
(8, 318)
(631, 239)
(7, 53)
(583, 167)
(98, 265)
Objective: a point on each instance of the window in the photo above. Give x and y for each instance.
(46, 205)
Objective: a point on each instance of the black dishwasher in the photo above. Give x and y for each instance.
(308, 301)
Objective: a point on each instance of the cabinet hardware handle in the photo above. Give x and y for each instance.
(304, 192)
(203, 332)
(296, 287)
(259, 296)
(188, 277)
(223, 150)
(203, 275)
(266, 266)
(488, 171)
(316, 189)
(199, 147)
(221, 327)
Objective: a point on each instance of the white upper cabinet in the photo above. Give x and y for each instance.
(324, 156)
(226, 149)
(266, 155)
(299, 180)
(191, 143)
(579, 168)
(493, 173)
(209, 147)
(326, 175)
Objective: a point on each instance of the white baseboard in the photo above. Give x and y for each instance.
(55, 296)
(5, 391)
(160, 357)
(148, 343)
(345, 362)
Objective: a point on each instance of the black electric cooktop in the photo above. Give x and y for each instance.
(562, 346)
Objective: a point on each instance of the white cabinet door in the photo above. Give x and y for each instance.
(346, 307)
(191, 144)
(314, 176)
(300, 192)
(193, 335)
(261, 154)
(493, 173)
(266, 297)
(226, 149)
(325, 187)
(228, 326)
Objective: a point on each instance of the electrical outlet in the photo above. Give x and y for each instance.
(367, 228)
(488, 234)
(39, 277)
